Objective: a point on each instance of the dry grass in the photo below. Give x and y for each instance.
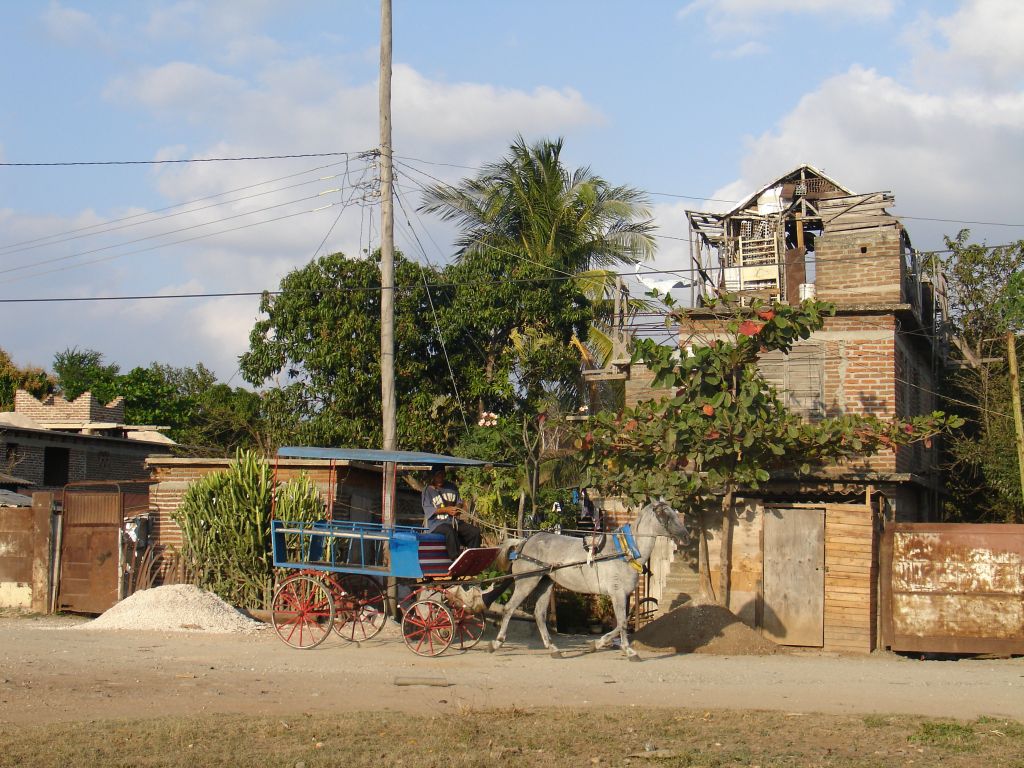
(523, 738)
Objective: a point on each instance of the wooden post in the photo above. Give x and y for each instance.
(1011, 356)
(387, 241)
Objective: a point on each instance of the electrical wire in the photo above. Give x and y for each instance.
(170, 162)
(176, 205)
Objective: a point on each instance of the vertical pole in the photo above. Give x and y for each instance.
(387, 242)
(1011, 356)
(387, 267)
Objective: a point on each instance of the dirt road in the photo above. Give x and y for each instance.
(51, 673)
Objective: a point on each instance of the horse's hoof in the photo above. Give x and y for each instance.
(492, 646)
(633, 656)
(593, 646)
(555, 653)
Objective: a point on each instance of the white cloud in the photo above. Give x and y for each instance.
(980, 45)
(72, 26)
(749, 48)
(955, 156)
(732, 18)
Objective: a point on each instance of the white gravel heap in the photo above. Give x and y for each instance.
(175, 608)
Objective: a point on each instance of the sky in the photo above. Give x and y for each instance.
(694, 102)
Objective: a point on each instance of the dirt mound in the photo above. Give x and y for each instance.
(174, 608)
(703, 628)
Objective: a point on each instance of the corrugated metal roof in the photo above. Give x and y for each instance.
(12, 499)
(374, 456)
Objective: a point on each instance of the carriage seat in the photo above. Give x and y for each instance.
(434, 561)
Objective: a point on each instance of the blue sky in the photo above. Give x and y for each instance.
(711, 98)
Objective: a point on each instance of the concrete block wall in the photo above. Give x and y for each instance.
(864, 267)
(55, 408)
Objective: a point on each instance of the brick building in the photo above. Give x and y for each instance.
(805, 550)
(49, 443)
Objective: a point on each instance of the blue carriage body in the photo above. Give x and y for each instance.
(358, 547)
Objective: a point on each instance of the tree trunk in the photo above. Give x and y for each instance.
(519, 517)
(707, 589)
(725, 558)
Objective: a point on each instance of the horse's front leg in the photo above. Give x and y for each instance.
(540, 613)
(522, 591)
(619, 601)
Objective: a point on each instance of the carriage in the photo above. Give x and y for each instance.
(340, 565)
(339, 569)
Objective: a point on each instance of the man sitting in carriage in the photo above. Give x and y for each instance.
(442, 508)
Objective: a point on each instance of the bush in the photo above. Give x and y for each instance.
(225, 523)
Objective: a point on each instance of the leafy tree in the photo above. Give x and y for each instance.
(723, 428)
(536, 247)
(526, 223)
(986, 294)
(320, 344)
(12, 378)
(83, 370)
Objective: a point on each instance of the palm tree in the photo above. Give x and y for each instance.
(528, 209)
(534, 273)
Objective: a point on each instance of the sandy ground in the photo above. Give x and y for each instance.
(49, 674)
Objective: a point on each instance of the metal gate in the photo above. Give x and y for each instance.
(90, 543)
(794, 576)
(953, 588)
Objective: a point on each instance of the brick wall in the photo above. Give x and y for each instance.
(89, 458)
(860, 268)
(869, 368)
(55, 408)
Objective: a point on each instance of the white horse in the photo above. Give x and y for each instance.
(546, 559)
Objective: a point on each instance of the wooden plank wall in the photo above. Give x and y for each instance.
(851, 578)
(851, 571)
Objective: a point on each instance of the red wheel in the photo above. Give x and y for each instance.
(469, 628)
(303, 612)
(360, 610)
(428, 628)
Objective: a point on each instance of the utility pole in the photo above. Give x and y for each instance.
(1011, 356)
(387, 240)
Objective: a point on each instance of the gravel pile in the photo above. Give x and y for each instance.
(175, 608)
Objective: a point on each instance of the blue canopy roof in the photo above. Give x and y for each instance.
(373, 456)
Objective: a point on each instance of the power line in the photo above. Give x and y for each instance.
(34, 244)
(171, 207)
(169, 162)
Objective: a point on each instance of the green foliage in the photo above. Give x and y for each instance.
(83, 370)
(12, 378)
(320, 344)
(225, 522)
(723, 427)
(986, 288)
(953, 736)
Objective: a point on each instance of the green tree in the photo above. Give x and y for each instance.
(320, 345)
(535, 238)
(534, 264)
(986, 301)
(83, 370)
(35, 381)
(723, 428)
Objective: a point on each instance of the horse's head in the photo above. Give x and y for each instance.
(671, 521)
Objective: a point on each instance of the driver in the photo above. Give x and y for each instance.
(442, 507)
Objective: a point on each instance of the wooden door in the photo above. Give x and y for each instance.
(794, 576)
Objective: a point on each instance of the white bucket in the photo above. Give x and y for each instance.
(807, 291)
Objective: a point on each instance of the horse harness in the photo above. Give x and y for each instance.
(625, 549)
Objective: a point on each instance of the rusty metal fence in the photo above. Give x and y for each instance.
(953, 588)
